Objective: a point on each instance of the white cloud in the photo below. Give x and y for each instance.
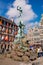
(28, 13)
(32, 24)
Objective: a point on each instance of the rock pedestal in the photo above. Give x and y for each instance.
(22, 53)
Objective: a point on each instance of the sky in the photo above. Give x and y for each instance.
(32, 10)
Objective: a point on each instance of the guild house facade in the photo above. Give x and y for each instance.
(35, 34)
(8, 30)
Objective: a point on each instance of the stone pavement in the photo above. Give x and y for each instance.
(8, 61)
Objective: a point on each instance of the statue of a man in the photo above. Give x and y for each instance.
(20, 10)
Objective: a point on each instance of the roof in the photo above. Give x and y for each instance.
(8, 20)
